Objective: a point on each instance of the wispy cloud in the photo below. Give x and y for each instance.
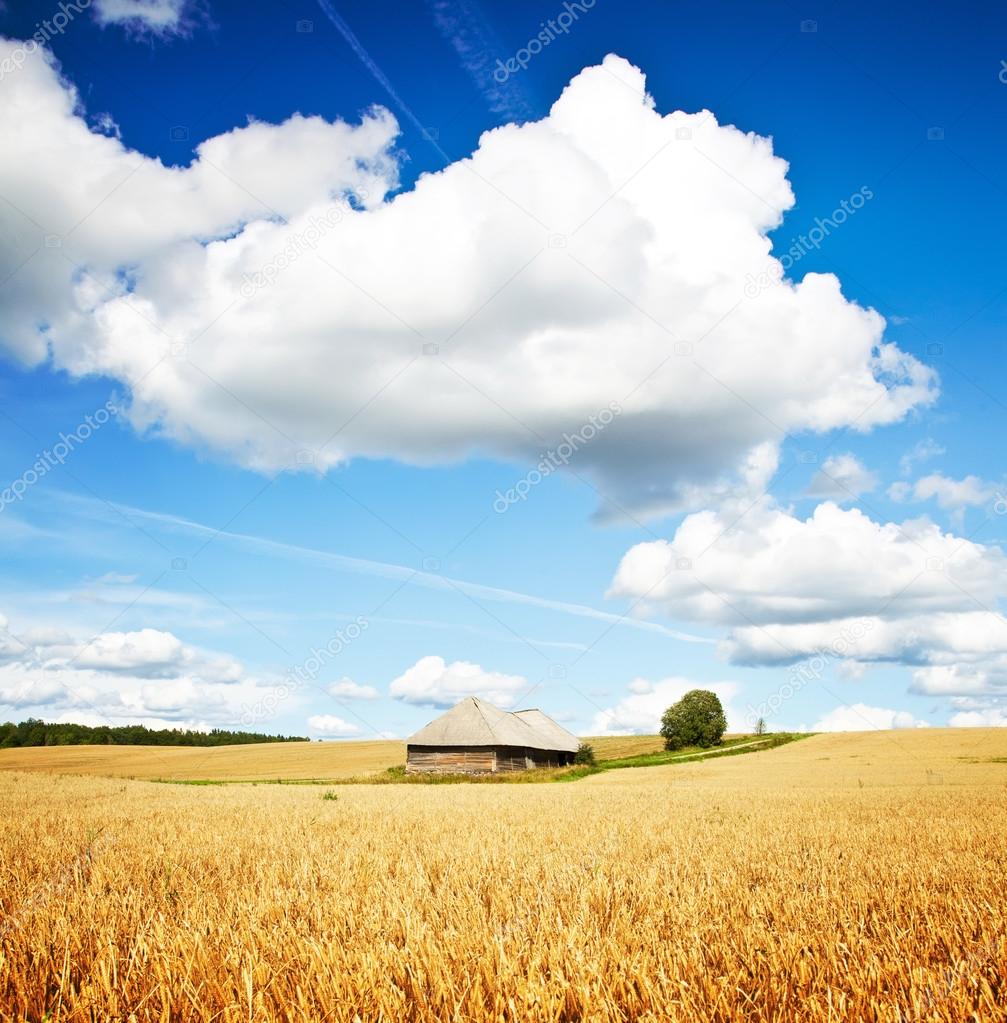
(363, 566)
(465, 26)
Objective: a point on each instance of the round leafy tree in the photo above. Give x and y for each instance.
(696, 720)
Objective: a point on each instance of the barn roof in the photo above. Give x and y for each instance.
(544, 725)
(474, 722)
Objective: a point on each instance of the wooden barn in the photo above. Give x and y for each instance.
(474, 737)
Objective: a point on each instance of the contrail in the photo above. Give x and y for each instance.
(387, 570)
(368, 61)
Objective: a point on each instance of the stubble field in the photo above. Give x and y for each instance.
(844, 877)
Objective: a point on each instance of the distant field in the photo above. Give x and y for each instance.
(612, 747)
(261, 761)
(840, 878)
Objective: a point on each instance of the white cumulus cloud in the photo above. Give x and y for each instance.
(837, 584)
(329, 726)
(859, 717)
(433, 682)
(600, 254)
(950, 494)
(772, 567)
(147, 676)
(347, 689)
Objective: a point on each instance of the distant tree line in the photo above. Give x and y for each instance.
(34, 732)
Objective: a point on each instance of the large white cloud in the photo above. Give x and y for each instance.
(598, 255)
(769, 566)
(835, 584)
(433, 682)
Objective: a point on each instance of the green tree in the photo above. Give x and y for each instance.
(696, 720)
(584, 754)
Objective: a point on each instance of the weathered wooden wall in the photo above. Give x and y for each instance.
(454, 760)
(479, 759)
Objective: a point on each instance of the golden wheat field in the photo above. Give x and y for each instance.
(843, 877)
(257, 762)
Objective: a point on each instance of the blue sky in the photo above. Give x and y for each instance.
(794, 502)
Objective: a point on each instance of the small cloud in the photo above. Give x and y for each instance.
(433, 683)
(328, 726)
(106, 125)
(950, 494)
(145, 17)
(923, 451)
(859, 717)
(347, 689)
(842, 478)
